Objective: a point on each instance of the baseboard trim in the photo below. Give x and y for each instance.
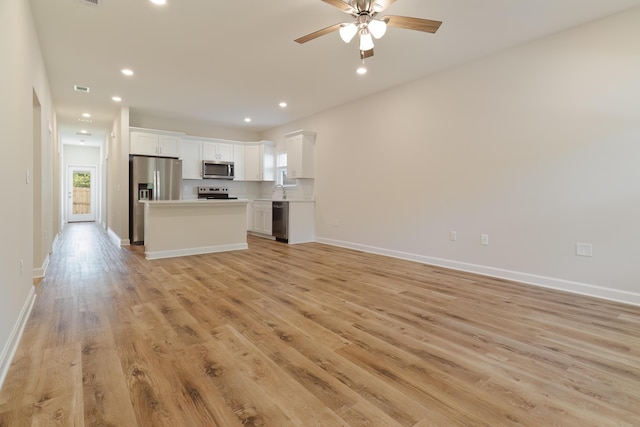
(516, 276)
(116, 239)
(14, 339)
(195, 251)
(261, 235)
(39, 273)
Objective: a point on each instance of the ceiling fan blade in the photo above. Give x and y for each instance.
(343, 6)
(380, 5)
(318, 33)
(418, 24)
(364, 54)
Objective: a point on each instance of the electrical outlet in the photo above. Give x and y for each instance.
(584, 249)
(453, 236)
(484, 239)
(28, 176)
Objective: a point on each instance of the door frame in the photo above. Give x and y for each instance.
(91, 217)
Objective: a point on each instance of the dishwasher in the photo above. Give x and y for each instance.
(280, 221)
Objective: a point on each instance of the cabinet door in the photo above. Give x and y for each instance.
(209, 151)
(294, 157)
(268, 220)
(258, 217)
(168, 146)
(225, 152)
(238, 159)
(145, 144)
(268, 157)
(191, 155)
(252, 163)
(299, 157)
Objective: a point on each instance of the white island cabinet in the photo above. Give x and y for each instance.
(174, 228)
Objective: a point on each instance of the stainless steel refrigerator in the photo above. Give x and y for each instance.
(150, 178)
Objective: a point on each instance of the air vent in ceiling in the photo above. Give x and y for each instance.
(91, 2)
(83, 134)
(79, 88)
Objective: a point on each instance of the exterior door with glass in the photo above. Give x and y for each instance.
(81, 194)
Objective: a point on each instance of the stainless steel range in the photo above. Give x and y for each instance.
(214, 193)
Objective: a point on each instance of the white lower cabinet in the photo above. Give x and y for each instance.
(261, 217)
(301, 222)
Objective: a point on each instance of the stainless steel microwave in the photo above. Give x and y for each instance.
(215, 169)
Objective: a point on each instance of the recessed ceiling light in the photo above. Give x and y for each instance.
(87, 115)
(362, 70)
(127, 72)
(160, 2)
(247, 119)
(116, 98)
(283, 104)
(83, 131)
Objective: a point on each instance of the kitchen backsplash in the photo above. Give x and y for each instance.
(249, 190)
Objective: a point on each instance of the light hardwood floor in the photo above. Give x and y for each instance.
(311, 335)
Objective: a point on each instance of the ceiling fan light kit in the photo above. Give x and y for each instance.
(377, 28)
(367, 26)
(366, 42)
(347, 32)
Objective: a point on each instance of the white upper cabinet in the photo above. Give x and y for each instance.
(217, 150)
(259, 161)
(238, 160)
(148, 142)
(191, 155)
(300, 154)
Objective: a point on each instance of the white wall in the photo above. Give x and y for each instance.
(538, 146)
(117, 165)
(192, 128)
(22, 73)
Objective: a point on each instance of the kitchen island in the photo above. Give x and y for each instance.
(174, 228)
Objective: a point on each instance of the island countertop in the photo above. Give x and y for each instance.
(188, 202)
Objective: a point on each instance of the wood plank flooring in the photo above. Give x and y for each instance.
(311, 335)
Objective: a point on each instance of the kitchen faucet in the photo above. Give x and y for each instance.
(284, 192)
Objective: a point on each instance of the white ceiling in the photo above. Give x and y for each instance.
(221, 61)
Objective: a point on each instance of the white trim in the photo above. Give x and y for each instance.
(39, 273)
(526, 278)
(14, 339)
(195, 251)
(116, 239)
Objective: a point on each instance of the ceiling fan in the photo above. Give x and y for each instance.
(367, 25)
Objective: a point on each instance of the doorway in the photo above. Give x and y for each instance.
(81, 193)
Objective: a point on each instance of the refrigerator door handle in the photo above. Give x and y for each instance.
(157, 185)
